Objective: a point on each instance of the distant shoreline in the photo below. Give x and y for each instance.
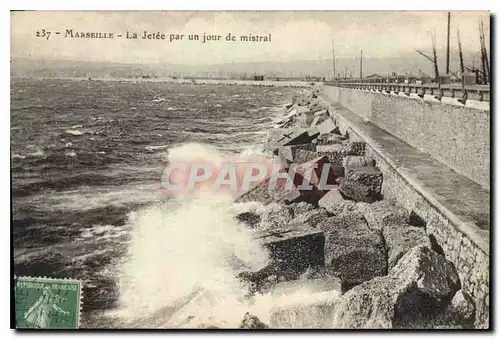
(193, 81)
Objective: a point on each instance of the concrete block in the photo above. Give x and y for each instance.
(357, 160)
(327, 126)
(400, 238)
(251, 322)
(294, 197)
(367, 175)
(316, 165)
(296, 250)
(302, 109)
(316, 169)
(318, 119)
(354, 147)
(327, 148)
(358, 191)
(309, 219)
(263, 193)
(353, 252)
(330, 138)
(414, 289)
(302, 138)
(302, 156)
(301, 208)
(315, 121)
(461, 310)
(276, 216)
(292, 252)
(278, 137)
(334, 153)
(333, 197)
(285, 153)
(297, 153)
(322, 112)
(382, 213)
(303, 121)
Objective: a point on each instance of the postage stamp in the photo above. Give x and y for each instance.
(47, 303)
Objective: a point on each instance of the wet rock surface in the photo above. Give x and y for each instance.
(331, 138)
(250, 219)
(334, 153)
(354, 147)
(359, 191)
(292, 253)
(382, 213)
(251, 322)
(276, 216)
(400, 238)
(357, 161)
(301, 208)
(416, 288)
(353, 252)
(331, 201)
(309, 219)
(347, 258)
(369, 176)
(461, 311)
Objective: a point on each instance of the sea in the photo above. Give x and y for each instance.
(86, 163)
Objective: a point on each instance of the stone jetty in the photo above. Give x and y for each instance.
(367, 261)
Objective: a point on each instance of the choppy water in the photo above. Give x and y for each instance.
(86, 160)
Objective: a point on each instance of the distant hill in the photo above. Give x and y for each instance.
(410, 63)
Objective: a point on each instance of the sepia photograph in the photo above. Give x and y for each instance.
(250, 170)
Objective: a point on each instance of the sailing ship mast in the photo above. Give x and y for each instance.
(432, 59)
(448, 46)
(484, 55)
(333, 60)
(361, 65)
(436, 70)
(460, 54)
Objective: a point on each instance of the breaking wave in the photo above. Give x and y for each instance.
(188, 247)
(183, 258)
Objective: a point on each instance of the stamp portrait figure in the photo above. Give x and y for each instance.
(39, 314)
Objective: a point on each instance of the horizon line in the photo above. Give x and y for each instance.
(12, 58)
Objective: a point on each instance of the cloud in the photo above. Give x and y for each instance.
(302, 35)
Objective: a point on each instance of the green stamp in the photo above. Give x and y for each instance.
(47, 303)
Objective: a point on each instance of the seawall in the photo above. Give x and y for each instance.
(457, 136)
(455, 209)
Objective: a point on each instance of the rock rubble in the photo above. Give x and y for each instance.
(386, 273)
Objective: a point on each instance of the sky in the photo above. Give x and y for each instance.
(295, 35)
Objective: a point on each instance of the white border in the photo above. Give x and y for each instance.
(258, 5)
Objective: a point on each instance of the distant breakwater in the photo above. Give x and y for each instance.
(194, 81)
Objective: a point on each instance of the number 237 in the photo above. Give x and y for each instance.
(43, 34)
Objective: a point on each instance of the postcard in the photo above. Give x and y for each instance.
(252, 170)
